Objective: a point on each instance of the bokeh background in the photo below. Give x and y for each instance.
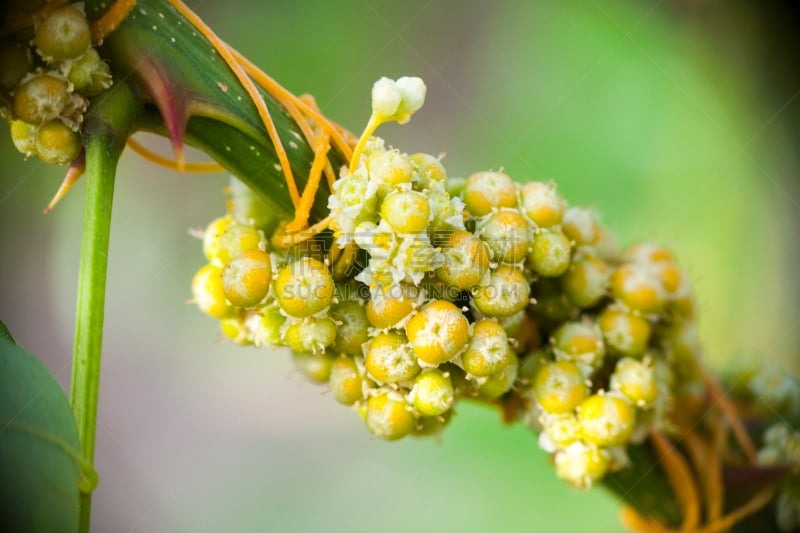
(677, 120)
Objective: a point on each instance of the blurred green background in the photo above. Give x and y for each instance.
(676, 120)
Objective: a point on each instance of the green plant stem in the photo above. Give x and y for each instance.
(107, 126)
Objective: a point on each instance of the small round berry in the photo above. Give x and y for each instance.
(541, 203)
(346, 382)
(581, 343)
(580, 225)
(63, 35)
(560, 387)
(317, 368)
(501, 382)
(586, 281)
(389, 416)
(56, 144)
(550, 253)
(40, 99)
(390, 358)
(507, 235)
(466, 260)
(636, 381)
(581, 465)
(428, 426)
(311, 334)
(390, 169)
(236, 239)
(352, 326)
(89, 74)
(561, 430)
(23, 135)
(433, 392)
(487, 351)
(212, 235)
(15, 63)
(486, 190)
(639, 288)
(304, 287)
(506, 293)
(624, 333)
(606, 420)
(438, 332)
(390, 304)
(268, 326)
(429, 170)
(208, 293)
(406, 211)
(246, 278)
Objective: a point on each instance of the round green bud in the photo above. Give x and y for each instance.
(208, 293)
(89, 74)
(63, 35)
(389, 168)
(624, 333)
(581, 226)
(562, 430)
(311, 334)
(455, 186)
(406, 211)
(606, 420)
(390, 304)
(212, 235)
(352, 326)
(15, 63)
(268, 328)
(40, 99)
(581, 343)
(429, 171)
(541, 203)
(316, 368)
(428, 426)
(56, 144)
(235, 240)
(639, 287)
(506, 293)
(484, 191)
(390, 358)
(304, 287)
(586, 281)
(581, 465)
(560, 387)
(437, 332)
(433, 392)
(501, 382)
(466, 260)
(23, 135)
(487, 352)
(346, 381)
(530, 364)
(246, 278)
(550, 253)
(508, 236)
(636, 381)
(389, 416)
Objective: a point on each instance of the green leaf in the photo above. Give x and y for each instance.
(40, 456)
(194, 96)
(5, 334)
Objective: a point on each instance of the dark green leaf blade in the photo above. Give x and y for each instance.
(39, 448)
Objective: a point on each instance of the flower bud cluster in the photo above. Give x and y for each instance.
(49, 74)
(429, 289)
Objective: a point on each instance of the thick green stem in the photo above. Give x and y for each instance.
(107, 126)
